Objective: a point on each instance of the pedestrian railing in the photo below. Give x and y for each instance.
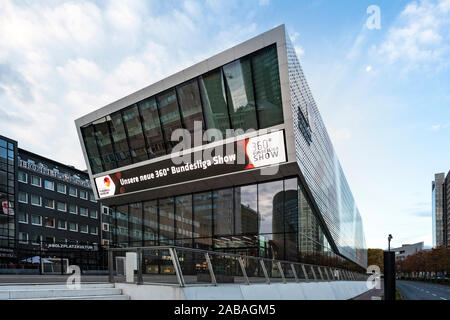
(187, 266)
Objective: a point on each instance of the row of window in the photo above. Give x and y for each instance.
(244, 94)
(61, 188)
(50, 222)
(37, 239)
(38, 201)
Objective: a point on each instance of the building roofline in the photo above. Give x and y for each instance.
(58, 164)
(260, 41)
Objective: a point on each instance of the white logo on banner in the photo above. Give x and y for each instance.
(105, 186)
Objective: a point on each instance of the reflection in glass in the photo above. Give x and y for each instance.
(246, 206)
(241, 101)
(166, 221)
(91, 148)
(150, 223)
(170, 116)
(121, 215)
(190, 104)
(223, 212)
(152, 128)
(135, 224)
(104, 144)
(214, 101)
(266, 79)
(203, 216)
(119, 137)
(184, 222)
(136, 140)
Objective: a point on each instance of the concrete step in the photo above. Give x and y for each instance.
(57, 293)
(27, 286)
(106, 297)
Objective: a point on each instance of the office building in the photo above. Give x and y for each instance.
(407, 249)
(272, 188)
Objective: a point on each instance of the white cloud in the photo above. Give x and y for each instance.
(62, 59)
(368, 68)
(299, 50)
(419, 37)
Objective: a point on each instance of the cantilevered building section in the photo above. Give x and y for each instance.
(287, 199)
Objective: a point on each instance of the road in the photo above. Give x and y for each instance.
(415, 290)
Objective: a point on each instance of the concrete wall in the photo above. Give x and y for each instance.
(338, 290)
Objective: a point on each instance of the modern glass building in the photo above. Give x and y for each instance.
(440, 192)
(255, 172)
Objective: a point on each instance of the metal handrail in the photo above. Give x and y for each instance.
(341, 274)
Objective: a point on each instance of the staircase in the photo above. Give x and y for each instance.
(88, 291)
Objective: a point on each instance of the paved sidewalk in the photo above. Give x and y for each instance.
(373, 294)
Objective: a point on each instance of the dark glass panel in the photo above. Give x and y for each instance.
(270, 206)
(246, 209)
(170, 116)
(266, 79)
(184, 221)
(91, 149)
(166, 221)
(135, 224)
(150, 223)
(190, 104)
(152, 128)
(203, 218)
(291, 218)
(121, 215)
(119, 136)
(223, 212)
(132, 122)
(241, 101)
(214, 101)
(104, 144)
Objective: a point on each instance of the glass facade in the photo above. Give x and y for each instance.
(244, 94)
(8, 151)
(272, 219)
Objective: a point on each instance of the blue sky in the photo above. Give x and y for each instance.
(384, 94)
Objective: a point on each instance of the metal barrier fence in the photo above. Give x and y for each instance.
(187, 266)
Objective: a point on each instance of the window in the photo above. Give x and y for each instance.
(35, 181)
(23, 197)
(49, 203)
(83, 212)
(266, 79)
(184, 220)
(35, 200)
(73, 191)
(105, 227)
(104, 144)
(105, 210)
(246, 207)
(62, 224)
(214, 101)
(22, 176)
(203, 215)
(94, 230)
(90, 144)
(121, 214)
(61, 206)
(150, 222)
(119, 137)
(61, 188)
(152, 128)
(73, 226)
(93, 214)
(132, 122)
(190, 104)
(83, 194)
(92, 197)
(23, 237)
(83, 228)
(170, 116)
(23, 217)
(135, 224)
(49, 222)
(73, 209)
(36, 220)
(223, 214)
(37, 239)
(49, 185)
(241, 101)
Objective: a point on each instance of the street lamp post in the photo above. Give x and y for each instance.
(389, 242)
